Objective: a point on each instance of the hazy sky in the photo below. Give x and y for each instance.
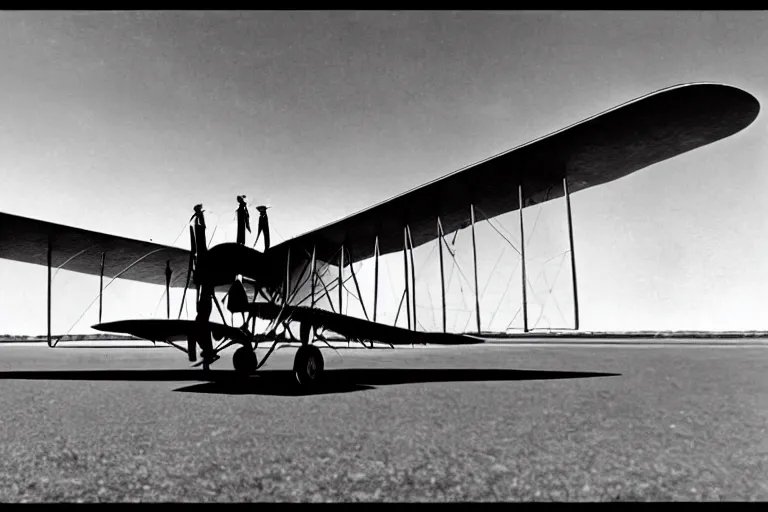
(122, 121)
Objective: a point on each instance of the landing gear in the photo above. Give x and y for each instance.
(308, 366)
(244, 361)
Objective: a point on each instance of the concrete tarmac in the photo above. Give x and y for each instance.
(496, 422)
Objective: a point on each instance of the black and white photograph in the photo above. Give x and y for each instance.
(385, 256)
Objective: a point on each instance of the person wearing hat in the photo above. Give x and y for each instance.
(202, 331)
(199, 227)
(243, 220)
(263, 226)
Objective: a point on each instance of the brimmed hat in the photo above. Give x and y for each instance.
(263, 208)
(199, 207)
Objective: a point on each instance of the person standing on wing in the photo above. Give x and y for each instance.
(243, 220)
(199, 228)
(237, 299)
(263, 226)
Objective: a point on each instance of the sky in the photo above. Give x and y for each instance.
(121, 121)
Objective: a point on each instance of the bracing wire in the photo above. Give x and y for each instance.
(154, 315)
(399, 307)
(514, 317)
(535, 223)
(490, 276)
(180, 232)
(392, 289)
(461, 286)
(540, 275)
(173, 280)
(501, 226)
(107, 285)
(488, 282)
(101, 292)
(432, 308)
(67, 261)
(326, 268)
(501, 300)
(519, 309)
(497, 231)
(536, 279)
(551, 288)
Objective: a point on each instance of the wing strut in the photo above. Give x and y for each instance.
(440, 236)
(522, 256)
(341, 277)
(376, 277)
(413, 276)
(474, 260)
(405, 268)
(573, 255)
(101, 283)
(50, 250)
(312, 273)
(168, 274)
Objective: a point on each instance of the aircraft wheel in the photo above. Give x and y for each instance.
(308, 366)
(244, 361)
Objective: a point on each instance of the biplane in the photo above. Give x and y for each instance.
(284, 279)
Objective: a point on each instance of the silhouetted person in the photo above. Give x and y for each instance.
(199, 225)
(168, 274)
(243, 220)
(202, 326)
(263, 226)
(202, 331)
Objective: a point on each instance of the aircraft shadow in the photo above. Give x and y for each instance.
(282, 383)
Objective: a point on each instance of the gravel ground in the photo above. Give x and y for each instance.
(495, 422)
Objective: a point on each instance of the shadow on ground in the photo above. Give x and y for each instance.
(282, 382)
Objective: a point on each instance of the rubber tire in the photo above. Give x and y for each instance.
(244, 361)
(303, 370)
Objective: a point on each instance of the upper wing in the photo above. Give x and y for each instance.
(24, 239)
(597, 150)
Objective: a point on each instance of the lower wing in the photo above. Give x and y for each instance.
(358, 328)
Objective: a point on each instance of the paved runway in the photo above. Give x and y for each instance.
(492, 422)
